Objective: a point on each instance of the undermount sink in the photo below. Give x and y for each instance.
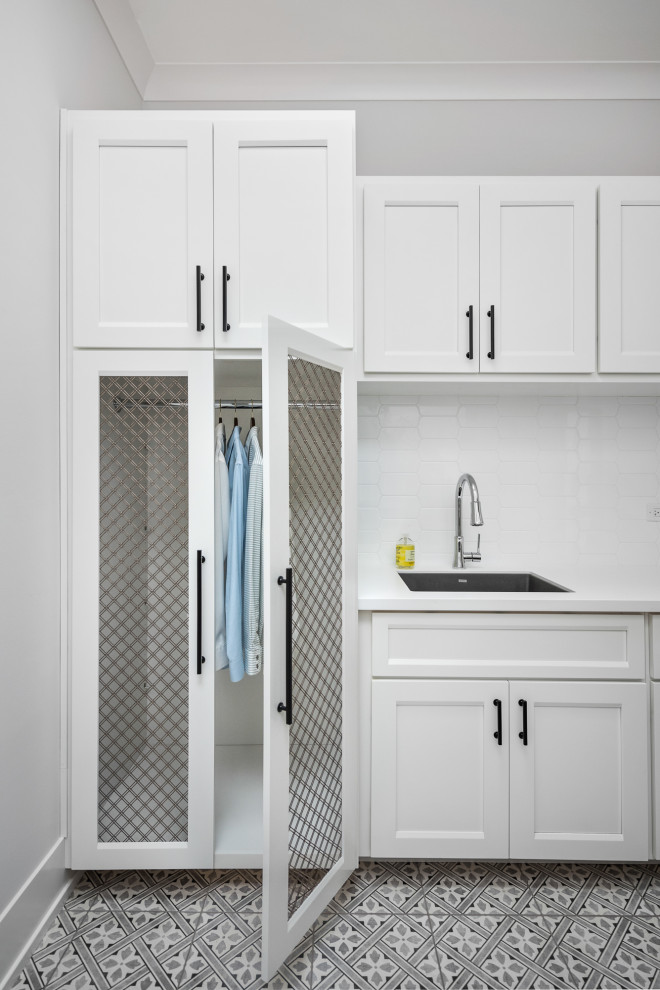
(478, 581)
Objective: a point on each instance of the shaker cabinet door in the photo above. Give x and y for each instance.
(440, 769)
(142, 610)
(538, 277)
(629, 310)
(284, 227)
(142, 233)
(421, 278)
(579, 771)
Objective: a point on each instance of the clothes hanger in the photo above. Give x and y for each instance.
(252, 419)
(235, 416)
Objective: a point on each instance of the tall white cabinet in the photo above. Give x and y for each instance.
(144, 382)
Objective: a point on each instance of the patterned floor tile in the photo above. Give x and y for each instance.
(393, 926)
(379, 950)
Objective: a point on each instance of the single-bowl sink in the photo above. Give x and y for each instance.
(479, 581)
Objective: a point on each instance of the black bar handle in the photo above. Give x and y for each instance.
(200, 279)
(498, 735)
(225, 279)
(200, 658)
(469, 314)
(288, 707)
(491, 314)
(523, 735)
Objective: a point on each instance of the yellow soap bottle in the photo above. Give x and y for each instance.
(405, 552)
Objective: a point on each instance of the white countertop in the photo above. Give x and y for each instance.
(594, 590)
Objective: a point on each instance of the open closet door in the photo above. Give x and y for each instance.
(310, 702)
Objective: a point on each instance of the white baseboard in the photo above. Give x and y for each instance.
(25, 918)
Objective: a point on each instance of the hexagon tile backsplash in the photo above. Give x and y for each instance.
(562, 479)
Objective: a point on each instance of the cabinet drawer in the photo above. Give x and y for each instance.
(433, 644)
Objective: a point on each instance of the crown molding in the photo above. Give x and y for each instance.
(129, 40)
(406, 81)
(353, 81)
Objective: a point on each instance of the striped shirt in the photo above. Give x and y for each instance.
(253, 614)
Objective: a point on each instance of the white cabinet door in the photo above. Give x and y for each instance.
(310, 610)
(579, 774)
(142, 610)
(629, 262)
(440, 771)
(284, 227)
(421, 277)
(142, 226)
(538, 277)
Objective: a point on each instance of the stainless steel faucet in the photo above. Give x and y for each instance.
(476, 519)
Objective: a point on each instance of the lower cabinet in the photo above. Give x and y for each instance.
(520, 769)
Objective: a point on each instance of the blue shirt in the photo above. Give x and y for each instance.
(238, 470)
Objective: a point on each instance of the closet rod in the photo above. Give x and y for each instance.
(119, 403)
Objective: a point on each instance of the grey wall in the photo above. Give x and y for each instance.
(513, 137)
(52, 55)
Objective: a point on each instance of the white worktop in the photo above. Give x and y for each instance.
(593, 590)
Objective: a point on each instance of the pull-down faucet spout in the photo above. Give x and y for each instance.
(476, 519)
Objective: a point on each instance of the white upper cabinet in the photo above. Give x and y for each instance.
(142, 225)
(284, 226)
(490, 277)
(189, 230)
(421, 277)
(538, 276)
(629, 311)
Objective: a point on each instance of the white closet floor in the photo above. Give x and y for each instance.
(238, 806)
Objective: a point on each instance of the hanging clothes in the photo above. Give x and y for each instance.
(221, 544)
(237, 470)
(253, 614)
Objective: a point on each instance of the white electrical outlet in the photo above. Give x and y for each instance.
(653, 512)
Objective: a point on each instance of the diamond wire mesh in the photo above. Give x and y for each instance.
(143, 610)
(315, 536)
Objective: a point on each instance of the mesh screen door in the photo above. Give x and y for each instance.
(315, 542)
(143, 610)
(142, 716)
(310, 842)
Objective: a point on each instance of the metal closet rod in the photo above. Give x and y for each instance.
(249, 404)
(119, 402)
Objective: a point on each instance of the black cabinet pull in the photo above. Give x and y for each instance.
(225, 279)
(498, 735)
(200, 279)
(523, 735)
(491, 314)
(470, 353)
(288, 707)
(200, 658)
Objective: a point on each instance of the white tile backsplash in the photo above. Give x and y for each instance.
(563, 479)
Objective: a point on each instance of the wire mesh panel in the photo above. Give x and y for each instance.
(143, 610)
(315, 535)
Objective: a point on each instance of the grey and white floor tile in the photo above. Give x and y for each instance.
(393, 926)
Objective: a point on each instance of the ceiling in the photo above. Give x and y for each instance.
(388, 49)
